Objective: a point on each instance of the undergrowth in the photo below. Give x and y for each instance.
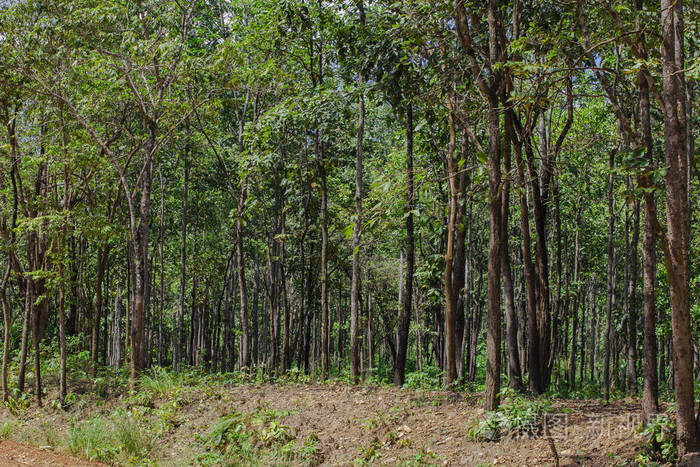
(659, 445)
(240, 438)
(517, 416)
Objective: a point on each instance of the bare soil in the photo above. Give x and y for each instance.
(398, 426)
(13, 454)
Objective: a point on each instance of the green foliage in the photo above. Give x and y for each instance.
(429, 378)
(159, 382)
(367, 453)
(132, 438)
(8, 428)
(18, 404)
(105, 440)
(93, 439)
(517, 416)
(660, 442)
(245, 437)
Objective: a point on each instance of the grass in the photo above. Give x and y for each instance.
(8, 428)
(93, 439)
(160, 382)
(108, 440)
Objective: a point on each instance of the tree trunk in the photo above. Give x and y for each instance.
(141, 264)
(677, 217)
(325, 321)
(514, 370)
(102, 254)
(450, 299)
(242, 290)
(404, 318)
(493, 315)
(650, 392)
(179, 348)
(356, 281)
(6, 332)
(610, 277)
(632, 320)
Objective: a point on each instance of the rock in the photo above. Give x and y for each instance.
(690, 460)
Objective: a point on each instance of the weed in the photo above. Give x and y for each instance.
(159, 382)
(50, 434)
(243, 436)
(8, 428)
(18, 405)
(516, 416)
(423, 457)
(93, 440)
(660, 443)
(367, 453)
(133, 440)
(429, 378)
(309, 450)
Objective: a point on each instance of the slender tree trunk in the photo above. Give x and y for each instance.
(533, 342)
(404, 318)
(6, 331)
(62, 389)
(514, 370)
(632, 302)
(493, 315)
(356, 281)
(611, 279)
(650, 392)
(141, 263)
(325, 320)
(242, 290)
(254, 316)
(161, 241)
(450, 299)
(179, 348)
(102, 254)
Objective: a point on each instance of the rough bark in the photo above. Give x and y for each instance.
(404, 318)
(676, 248)
(356, 280)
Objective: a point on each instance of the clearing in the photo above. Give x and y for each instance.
(175, 422)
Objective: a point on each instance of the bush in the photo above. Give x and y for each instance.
(243, 436)
(516, 416)
(429, 378)
(660, 443)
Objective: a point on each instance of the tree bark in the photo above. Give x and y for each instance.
(450, 299)
(650, 391)
(677, 217)
(611, 279)
(356, 280)
(404, 318)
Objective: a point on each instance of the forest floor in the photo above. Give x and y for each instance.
(207, 422)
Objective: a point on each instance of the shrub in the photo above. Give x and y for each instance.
(516, 416)
(660, 442)
(243, 436)
(429, 378)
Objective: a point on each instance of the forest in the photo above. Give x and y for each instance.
(487, 203)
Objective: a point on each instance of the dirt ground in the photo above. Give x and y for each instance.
(400, 425)
(407, 425)
(13, 454)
